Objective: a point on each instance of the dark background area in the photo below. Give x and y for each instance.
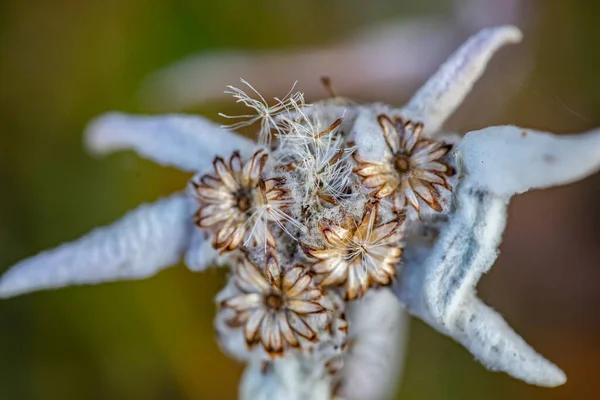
(64, 61)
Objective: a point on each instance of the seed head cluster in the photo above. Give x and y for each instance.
(308, 225)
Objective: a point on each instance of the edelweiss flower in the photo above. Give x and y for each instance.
(237, 203)
(411, 167)
(439, 274)
(358, 255)
(276, 310)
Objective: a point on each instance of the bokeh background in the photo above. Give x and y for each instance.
(64, 61)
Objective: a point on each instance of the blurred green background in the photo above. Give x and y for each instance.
(64, 61)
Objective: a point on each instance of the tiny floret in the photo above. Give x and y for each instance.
(413, 167)
(237, 203)
(279, 310)
(360, 254)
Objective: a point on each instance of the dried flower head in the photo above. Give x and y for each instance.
(277, 310)
(237, 203)
(318, 158)
(358, 255)
(412, 167)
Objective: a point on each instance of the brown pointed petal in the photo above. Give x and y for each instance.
(224, 173)
(301, 327)
(338, 274)
(378, 180)
(300, 286)
(244, 302)
(365, 228)
(287, 333)
(321, 254)
(358, 280)
(304, 307)
(428, 194)
(368, 169)
(252, 327)
(291, 276)
(335, 234)
(389, 132)
(250, 278)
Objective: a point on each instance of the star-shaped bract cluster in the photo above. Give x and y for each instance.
(331, 205)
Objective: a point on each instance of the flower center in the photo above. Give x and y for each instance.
(243, 199)
(274, 301)
(401, 162)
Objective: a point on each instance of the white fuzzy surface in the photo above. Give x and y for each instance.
(435, 101)
(146, 240)
(186, 142)
(289, 378)
(373, 365)
(508, 160)
(438, 285)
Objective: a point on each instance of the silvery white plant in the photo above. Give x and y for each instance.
(338, 219)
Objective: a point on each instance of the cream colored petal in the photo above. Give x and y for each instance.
(385, 190)
(368, 169)
(338, 274)
(236, 166)
(429, 177)
(433, 152)
(358, 280)
(365, 227)
(254, 166)
(277, 343)
(399, 200)
(412, 133)
(335, 234)
(383, 232)
(379, 276)
(267, 330)
(422, 190)
(214, 195)
(251, 278)
(322, 254)
(378, 180)
(287, 333)
(304, 307)
(236, 237)
(224, 174)
(300, 286)
(206, 218)
(206, 181)
(251, 329)
(428, 193)
(225, 231)
(434, 166)
(327, 265)
(291, 276)
(390, 133)
(300, 326)
(411, 197)
(244, 301)
(314, 294)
